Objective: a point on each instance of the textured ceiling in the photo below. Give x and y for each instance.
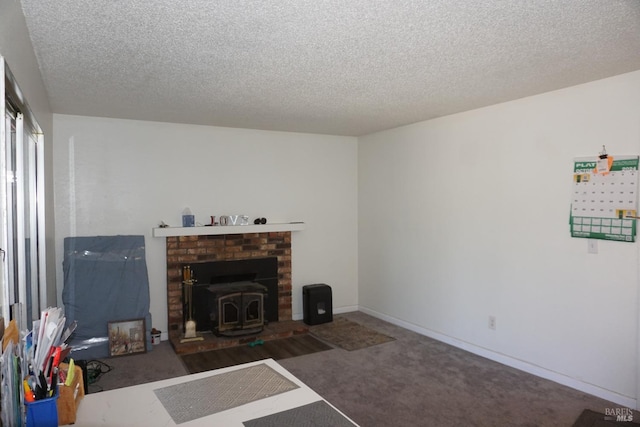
(321, 66)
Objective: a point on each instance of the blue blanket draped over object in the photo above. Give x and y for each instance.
(105, 280)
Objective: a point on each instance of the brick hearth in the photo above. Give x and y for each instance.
(192, 249)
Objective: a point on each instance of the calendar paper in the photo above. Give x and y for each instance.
(601, 202)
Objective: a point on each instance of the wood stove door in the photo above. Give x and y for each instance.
(229, 311)
(253, 309)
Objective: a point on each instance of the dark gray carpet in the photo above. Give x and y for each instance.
(418, 381)
(412, 381)
(160, 363)
(316, 414)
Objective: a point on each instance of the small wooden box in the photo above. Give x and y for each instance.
(69, 397)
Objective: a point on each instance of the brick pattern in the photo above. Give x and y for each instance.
(186, 249)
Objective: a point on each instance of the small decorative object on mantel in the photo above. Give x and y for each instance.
(234, 220)
(163, 224)
(260, 221)
(188, 219)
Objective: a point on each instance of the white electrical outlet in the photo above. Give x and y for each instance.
(492, 322)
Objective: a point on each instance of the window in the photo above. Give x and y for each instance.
(21, 216)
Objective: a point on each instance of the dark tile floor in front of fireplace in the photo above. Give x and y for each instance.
(272, 331)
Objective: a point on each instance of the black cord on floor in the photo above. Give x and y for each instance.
(95, 369)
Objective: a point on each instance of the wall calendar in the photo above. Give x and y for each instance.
(605, 198)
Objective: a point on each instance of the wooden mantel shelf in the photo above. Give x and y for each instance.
(226, 229)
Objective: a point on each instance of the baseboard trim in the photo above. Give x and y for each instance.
(339, 310)
(521, 365)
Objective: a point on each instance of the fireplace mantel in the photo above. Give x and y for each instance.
(226, 229)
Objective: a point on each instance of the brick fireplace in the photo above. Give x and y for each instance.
(222, 247)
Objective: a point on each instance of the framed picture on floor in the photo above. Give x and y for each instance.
(127, 337)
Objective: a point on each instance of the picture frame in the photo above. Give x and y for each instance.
(127, 337)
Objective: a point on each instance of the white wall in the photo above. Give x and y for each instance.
(466, 216)
(124, 177)
(16, 48)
